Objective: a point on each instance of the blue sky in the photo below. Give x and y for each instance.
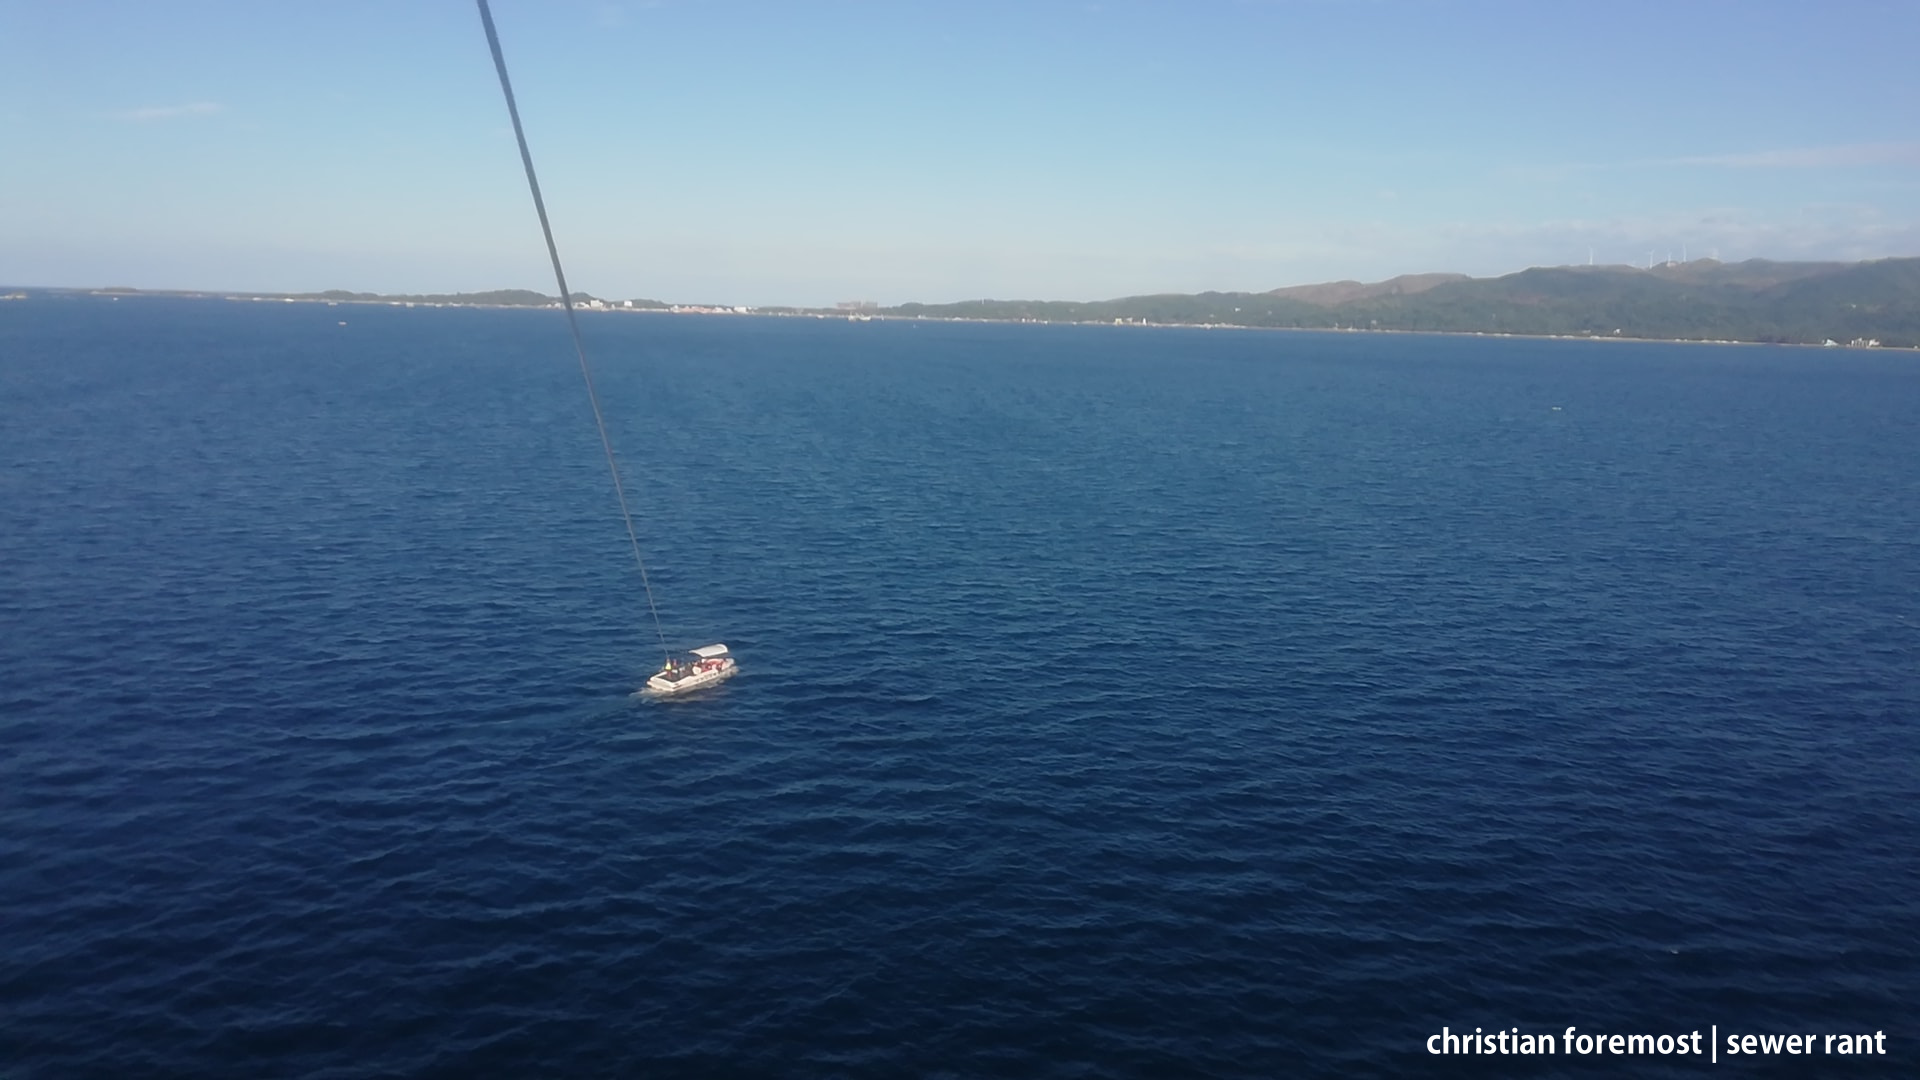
(805, 153)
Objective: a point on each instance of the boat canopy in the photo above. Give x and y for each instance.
(708, 652)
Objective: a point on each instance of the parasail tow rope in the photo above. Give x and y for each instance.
(573, 323)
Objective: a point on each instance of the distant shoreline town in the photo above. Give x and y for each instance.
(1873, 304)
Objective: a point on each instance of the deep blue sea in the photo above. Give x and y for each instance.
(1114, 702)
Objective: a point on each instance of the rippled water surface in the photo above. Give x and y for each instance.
(1114, 701)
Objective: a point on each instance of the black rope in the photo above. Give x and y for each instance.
(573, 323)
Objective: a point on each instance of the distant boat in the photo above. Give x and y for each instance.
(705, 666)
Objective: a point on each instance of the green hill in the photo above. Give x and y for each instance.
(493, 298)
(1757, 300)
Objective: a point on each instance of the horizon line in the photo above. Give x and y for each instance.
(277, 293)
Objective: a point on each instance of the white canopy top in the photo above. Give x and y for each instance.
(708, 652)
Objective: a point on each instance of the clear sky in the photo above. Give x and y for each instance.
(809, 152)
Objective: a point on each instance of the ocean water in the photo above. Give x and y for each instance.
(1113, 701)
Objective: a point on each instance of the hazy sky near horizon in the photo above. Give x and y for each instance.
(810, 152)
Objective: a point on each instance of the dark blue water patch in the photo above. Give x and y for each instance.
(1113, 701)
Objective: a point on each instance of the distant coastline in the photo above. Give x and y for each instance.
(1873, 304)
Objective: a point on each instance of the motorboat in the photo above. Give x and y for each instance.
(700, 667)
